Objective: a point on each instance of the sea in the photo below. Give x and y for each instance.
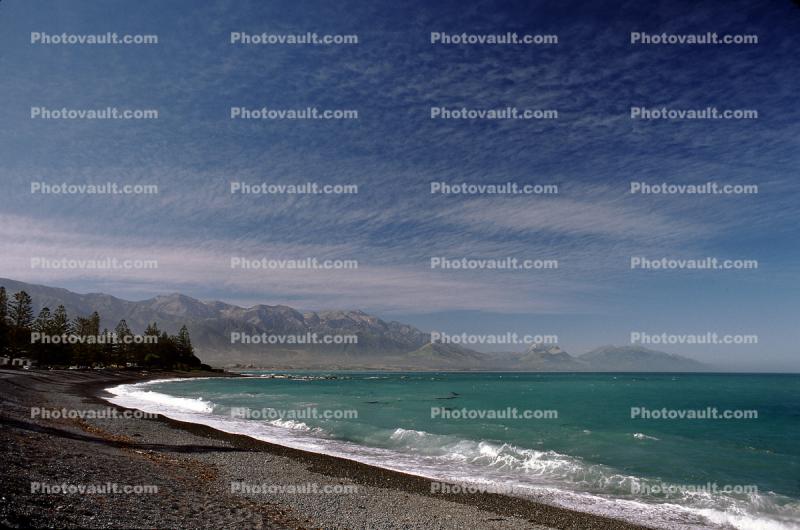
(671, 450)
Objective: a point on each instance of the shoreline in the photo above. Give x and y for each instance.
(378, 489)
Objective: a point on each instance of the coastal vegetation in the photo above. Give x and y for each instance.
(54, 339)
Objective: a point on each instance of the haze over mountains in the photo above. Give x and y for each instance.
(380, 344)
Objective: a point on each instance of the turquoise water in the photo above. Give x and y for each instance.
(592, 456)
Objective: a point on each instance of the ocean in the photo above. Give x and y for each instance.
(675, 450)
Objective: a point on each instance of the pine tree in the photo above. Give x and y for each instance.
(60, 322)
(148, 353)
(167, 350)
(184, 344)
(95, 348)
(21, 315)
(61, 326)
(107, 348)
(4, 327)
(43, 322)
(123, 352)
(94, 323)
(42, 347)
(80, 350)
(21, 311)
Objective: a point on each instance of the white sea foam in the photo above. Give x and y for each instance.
(745, 521)
(130, 396)
(291, 424)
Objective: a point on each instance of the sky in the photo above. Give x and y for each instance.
(394, 150)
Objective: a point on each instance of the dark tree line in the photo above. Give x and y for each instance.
(52, 339)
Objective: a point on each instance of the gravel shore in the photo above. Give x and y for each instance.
(193, 468)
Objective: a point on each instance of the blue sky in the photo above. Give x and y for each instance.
(593, 76)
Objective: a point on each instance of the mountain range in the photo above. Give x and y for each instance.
(380, 344)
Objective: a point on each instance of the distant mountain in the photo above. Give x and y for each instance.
(537, 358)
(435, 355)
(380, 344)
(551, 358)
(541, 357)
(639, 359)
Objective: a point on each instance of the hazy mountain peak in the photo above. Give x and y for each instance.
(546, 349)
(639, 358)
(180, 304)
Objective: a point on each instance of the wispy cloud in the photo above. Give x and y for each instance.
(394, 150)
